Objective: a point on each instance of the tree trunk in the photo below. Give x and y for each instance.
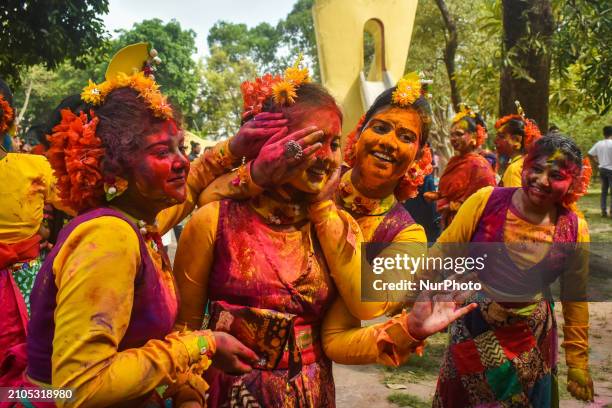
(24, 108)
(525, 74)
(449, 52)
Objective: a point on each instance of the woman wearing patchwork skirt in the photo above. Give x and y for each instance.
(504, 353)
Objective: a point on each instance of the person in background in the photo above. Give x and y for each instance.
(467, 171)
(196, 149)
(515, 135)
(601, 155)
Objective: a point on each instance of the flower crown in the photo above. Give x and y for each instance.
(7, 115)
(76, 151)
(283, 89)
(532, 132)
(466, 111)
(142, 82)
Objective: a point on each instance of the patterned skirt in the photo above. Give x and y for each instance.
(312, 388)
(500, 357)
(25, 275)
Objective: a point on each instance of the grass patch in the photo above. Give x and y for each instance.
(599, 227)
(419, 369)
(407, 400)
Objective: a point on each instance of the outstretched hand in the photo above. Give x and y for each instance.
(274, 167)
(255, 133)
(433, 312)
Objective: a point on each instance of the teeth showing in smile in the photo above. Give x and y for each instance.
(383, 157)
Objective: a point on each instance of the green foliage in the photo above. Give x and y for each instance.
(177, 74)
(406, 400)
(47, 32)
(220, 102)
(259, 44)
(48, 89)
(583, 49)
(299, 34)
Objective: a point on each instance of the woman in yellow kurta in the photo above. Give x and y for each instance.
(515, 135)
(383, 155)
(505, 351)
(104, 304)
(28, 184)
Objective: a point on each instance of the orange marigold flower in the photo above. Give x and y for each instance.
(7, 115)
(284, 93)
(408, 90)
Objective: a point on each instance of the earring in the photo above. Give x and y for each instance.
(114, 187)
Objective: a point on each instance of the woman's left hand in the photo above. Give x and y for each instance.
(580, 384)
(433, 312)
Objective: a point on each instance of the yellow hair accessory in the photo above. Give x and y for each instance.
(284, 93)
(464, 110)
(408, 90)
(130, 58)
(296, 75)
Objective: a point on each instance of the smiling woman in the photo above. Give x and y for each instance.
(524, 333)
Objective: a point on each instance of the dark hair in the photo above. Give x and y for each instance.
(124, 120)
(421, 106)
(36, 135)
(473, 122)
(556, 142)
(515, 127)
(607, 131)
(309, 96)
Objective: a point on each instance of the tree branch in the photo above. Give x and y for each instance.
(450, 51)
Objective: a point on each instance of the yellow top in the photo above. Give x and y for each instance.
(576, 314)
(85, 356)
(512, 175)
(94, 272)
(389, 343)
(27, 183)
(344, 340)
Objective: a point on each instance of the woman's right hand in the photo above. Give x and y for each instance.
(232, 356)
(273, 167)
(254, 134)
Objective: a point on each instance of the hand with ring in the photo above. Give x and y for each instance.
(254, 134)
(283, 156)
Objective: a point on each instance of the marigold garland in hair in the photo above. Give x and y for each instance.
(580, 184)
(409, 184)
(283, 89)
(7, 115)
(75, 156)
(532, 132)
(146, 87)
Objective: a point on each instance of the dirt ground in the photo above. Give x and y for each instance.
(363, 387)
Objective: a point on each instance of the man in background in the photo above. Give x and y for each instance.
(601, 155)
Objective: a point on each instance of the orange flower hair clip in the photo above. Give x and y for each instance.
(580, 184)
(6, 118)
(408, 90)
(409, 184)
(283, 89)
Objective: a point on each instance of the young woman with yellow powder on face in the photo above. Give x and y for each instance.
(387, 163)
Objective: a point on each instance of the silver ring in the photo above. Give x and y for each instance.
(293, 150)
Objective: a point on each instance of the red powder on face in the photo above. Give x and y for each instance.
(162, 168)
